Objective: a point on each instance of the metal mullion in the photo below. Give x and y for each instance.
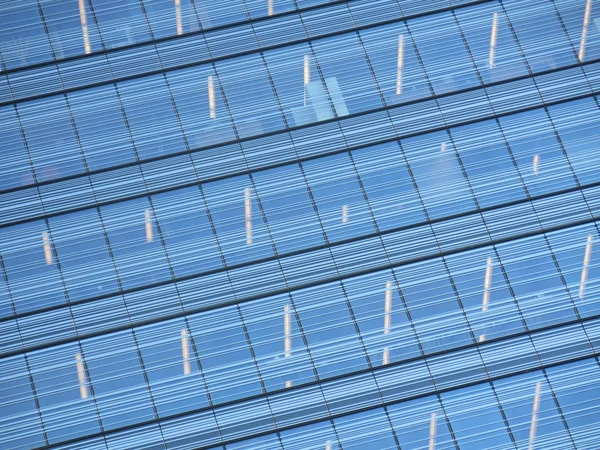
(288, 289)
(208, 213)
(401, 294)
(402, 298)
(27, 367)
(301, 328)
(515, 37)
(275, 252)
(369, 370)
(135, 340)
(478, 74)
(167, 85)
(427, 218)
(184, 316)
(119, 283)
(527, 199)
(557, 404)
(255, 362)
(595, 99)
(66, 97)
(118, 96)
(221, 253)
(365, 197)
(43, 21)
(36, 399)
(477, 206)
(364, 193)
(424, 209)
(564, 153)
(312, 199)
(90, 386)
(67, 303)
(25, 145)
(215, 236)
(200, 26)
(519, 172)
(274, 246)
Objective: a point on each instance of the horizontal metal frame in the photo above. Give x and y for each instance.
(292, 129)
(235, 55)
(356, 373)
(202, 31)
(381, 267)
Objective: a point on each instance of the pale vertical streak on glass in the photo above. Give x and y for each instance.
(493, 37)
(443, 147)
(586, 263)
(584, 30)
(149, 228)
(345, 214)
(47, 247)
(400, 64)
(185, 352)
(536, 164)
(211, 98)
(432, 431)
(306, 74)
(487, 284)
(270, 5)
(248, 211)
(83, 392)
(178, 17)
(387, 320)
(287, 336)
(534, 414)
(84, 27)
(328, 445)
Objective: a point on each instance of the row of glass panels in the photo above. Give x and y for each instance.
(572, 251)
(280, 342)
(488, 28)
(284, 147)
(498, 415)
(296, 85)
(39, 31)
(105, 384)
(295, 208)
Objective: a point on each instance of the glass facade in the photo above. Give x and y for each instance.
(299, 224)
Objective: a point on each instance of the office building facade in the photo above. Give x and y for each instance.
(299, 224)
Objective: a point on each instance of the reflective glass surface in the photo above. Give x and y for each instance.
(317, 224)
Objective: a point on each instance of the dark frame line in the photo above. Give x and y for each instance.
(357, 373)
(337, 278)
(172, 37)
(235, 55)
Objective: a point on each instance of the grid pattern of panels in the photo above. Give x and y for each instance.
(299, 225)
